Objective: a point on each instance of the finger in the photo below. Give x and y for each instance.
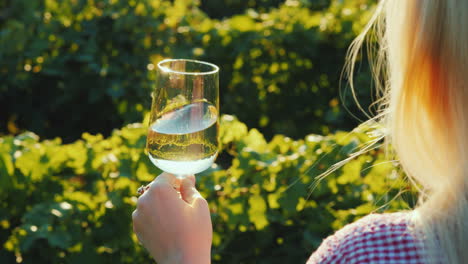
(136, 226)
(188, 191)
(176, 184)
(192, 178)
(167, 178)
(165, 181)
(162, 189)
(135, 217)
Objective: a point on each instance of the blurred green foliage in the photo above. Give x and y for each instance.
(74, 66)
(227, 8)
(72, 203)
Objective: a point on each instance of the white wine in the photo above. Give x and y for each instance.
(185, 140)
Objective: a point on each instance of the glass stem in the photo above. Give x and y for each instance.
(181, 176)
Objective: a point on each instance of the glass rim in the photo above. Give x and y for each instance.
(169, 70)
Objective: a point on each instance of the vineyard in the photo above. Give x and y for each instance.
(72, 202)
(74, 95)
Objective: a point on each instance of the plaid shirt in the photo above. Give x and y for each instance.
(376, 238)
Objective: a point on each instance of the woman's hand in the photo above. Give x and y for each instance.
(172, 221)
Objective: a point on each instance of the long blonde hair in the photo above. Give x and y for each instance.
(421, 72)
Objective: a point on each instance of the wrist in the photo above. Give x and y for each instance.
(197, 258)
(185, 258)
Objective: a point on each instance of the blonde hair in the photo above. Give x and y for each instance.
(421, 73)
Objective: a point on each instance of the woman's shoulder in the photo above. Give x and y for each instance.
(376, 238)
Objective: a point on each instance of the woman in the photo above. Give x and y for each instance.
(423, 61)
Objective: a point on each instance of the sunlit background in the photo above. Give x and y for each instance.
(75, 84)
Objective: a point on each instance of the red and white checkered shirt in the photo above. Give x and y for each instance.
(376, 238)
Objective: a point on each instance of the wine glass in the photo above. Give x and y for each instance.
(183, 131)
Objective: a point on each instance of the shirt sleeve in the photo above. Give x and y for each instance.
(334, 249)
(376, 238)
(328, 252)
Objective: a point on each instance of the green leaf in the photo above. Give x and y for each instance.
(6, 171)
(257, 212)
(255, 141)
(231, 129)
(32, 164)
(290, 196)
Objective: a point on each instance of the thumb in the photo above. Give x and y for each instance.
(188, 191)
